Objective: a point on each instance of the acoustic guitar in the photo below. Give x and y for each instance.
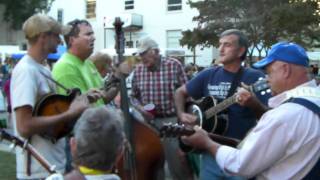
(210, 114)
(53, 104)
(16, 141)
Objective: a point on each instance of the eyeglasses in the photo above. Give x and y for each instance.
(78, 21)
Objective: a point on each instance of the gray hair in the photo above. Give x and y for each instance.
(99, 137)
(242, 39)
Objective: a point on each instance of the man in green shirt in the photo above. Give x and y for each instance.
(73, 70)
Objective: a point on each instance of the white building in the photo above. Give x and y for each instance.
(163, 20)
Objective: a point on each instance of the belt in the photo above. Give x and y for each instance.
(165, 115)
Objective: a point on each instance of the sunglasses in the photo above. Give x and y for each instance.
(74, 26)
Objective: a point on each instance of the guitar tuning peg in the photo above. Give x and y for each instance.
(269, 91)
(262, 92)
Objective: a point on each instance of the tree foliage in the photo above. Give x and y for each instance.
(265, 22)
(17, 11)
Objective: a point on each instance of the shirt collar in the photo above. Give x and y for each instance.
(89, 171)
(309, 88)
(72, 58)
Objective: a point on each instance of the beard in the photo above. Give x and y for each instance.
(52, 48)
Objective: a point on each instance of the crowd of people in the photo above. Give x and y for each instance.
(279, 132)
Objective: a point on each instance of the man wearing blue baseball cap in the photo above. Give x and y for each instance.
(285, 142)
(286, 52)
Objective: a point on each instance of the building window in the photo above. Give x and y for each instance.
(174, 5)
(60, 16)
(173, 38)
(24, 46)
(91, 9)
(129, 44)
(129, 4)
(131, 39)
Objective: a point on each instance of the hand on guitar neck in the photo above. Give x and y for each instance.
(196, 137)
(209, 112)
(201, 140)
(246, 98)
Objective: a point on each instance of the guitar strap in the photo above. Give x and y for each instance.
(235, 82)
(315, 171)
(29, 160)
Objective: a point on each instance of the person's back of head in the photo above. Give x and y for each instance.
(99, 138)
(103, 62)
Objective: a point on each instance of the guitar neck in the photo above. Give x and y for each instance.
(224, 140)
(221, 106)
(180, 131)
(231, 100)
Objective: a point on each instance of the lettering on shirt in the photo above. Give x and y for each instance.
(219, 91)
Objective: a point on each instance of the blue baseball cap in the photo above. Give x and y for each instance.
(286, 52)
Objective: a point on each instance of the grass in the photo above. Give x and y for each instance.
(7, 166)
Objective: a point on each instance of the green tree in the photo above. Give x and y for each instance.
(264, 22)
(196, 37)
(17, 11)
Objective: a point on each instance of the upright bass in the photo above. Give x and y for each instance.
(144, 157)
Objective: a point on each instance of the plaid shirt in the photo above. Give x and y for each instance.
(158, 87)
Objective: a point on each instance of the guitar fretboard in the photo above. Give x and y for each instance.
(256, 87)
(175, 130)
(221, 106)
